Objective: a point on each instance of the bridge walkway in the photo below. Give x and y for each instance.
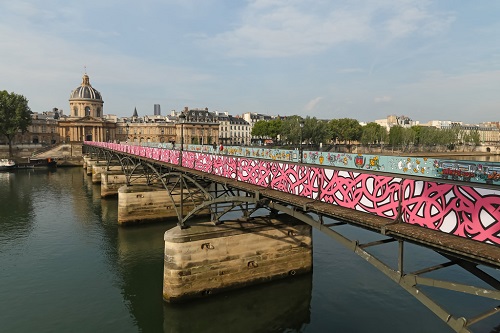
(480, 253)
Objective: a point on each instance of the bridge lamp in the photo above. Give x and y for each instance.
(301, 124)
(127, 129)
(182, 119)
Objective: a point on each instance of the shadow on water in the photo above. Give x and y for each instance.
(279, 306)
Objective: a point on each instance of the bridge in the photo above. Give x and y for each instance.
(454, 213)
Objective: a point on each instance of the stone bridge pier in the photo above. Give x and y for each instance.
(206, 259)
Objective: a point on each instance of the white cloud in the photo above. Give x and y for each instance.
(278, 28)
(311, 105)
(382, 99)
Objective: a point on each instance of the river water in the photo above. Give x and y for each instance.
(66, 266)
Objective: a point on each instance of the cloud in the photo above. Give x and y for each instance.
(382, 99)
(350, 70)
(278, 28)
(311, 105)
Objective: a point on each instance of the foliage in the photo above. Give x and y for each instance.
(290, 130)
(373, 133)
(345, 129)
(260, 129)
(316, 131)
(15, 115)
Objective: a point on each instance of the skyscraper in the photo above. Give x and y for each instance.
(157, 111)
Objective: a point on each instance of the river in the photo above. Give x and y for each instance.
(66, 266)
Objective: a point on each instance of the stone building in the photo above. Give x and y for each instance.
(87, 121)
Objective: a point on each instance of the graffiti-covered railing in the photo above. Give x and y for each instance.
(467, 171)
(461, 210)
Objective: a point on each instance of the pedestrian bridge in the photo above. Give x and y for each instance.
(450, 207)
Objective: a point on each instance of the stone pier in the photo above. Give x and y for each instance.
(99, 168)
(143, 204)
(206, 259)
(111, 181)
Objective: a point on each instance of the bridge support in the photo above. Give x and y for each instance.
(99, 168)
(143, 203)
(207, 259)
(111, 181)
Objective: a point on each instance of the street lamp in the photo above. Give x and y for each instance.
(182, 118)
(300, 143)
(107, 135)
(127, 128)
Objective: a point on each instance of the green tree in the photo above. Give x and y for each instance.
(290, 131)
(475, 137)
(274, 128)
(261, 129)
(316, 131)
(396, 136)
(15, 116)
(345, 130)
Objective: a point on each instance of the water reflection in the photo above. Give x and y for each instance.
(16, 208)
(280, 306)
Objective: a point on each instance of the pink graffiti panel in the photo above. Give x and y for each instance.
(463, 211)
(295, 179)
(225, 166)
(254, 171)
(203, 162)
(188, 159)
(361, 191)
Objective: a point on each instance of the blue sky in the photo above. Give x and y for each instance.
(361, 59)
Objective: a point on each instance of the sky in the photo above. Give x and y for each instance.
(329, 59)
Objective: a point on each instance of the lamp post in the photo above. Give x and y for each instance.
(107, 135)
(127, 128)
(161, 139)
(301, 124)
(182, 118)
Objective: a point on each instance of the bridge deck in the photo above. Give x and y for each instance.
(475, 251)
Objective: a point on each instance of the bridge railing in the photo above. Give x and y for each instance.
(461, 210)
(467, 171)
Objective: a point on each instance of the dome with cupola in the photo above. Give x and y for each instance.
(86, 101)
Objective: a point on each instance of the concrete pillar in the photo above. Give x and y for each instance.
(90, 163)
(85, 161)
(142, 204)
(111, 181)
(206, 259)
(100, 167)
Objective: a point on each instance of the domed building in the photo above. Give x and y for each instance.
(85, 101)
(87, 121)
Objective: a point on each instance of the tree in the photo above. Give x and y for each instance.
(15, 116)
(316, 131)
(290, 130)
(396, 136)
(274, 128)
(345, 130)
(261, 129)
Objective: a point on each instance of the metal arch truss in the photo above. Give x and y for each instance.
(412, 282)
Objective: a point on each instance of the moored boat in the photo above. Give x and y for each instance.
(38, 163)
(6, 164)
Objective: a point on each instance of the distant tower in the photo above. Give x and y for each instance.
(157, 111)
